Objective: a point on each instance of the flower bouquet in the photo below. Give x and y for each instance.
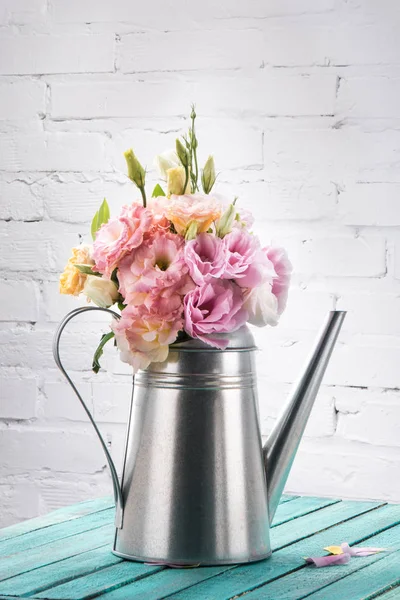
(183, 263)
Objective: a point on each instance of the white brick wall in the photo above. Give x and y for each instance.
(299, 101)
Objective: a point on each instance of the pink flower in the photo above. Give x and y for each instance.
(283, 269)
(143, 336)
(119, 236)
(215, 307)
(155, 270)
(205, 257)
(262, 305)
(246, 263)
(203, 209)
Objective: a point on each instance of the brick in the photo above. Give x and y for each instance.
(59, 450)
(336, 154)
(244, 153)
(53, 152)
(353, 44)
(22, 99)
(60, 402)
(20, 347)
(366, 97)
(273, 396)
(64, 491)
(292, 45)
(23, 253)
(363, 256)
(55, 305)
(372, 365)
(18, 397)
(382, 411)
(343, 470)
(19, 501)
(111, 401)
(179, 13)
(18, 202)
(283, 200)
(263, 93)
(203, 50)
(375, 314)
(41, 54)
(306, 310)
(77, 202)
(21, 12)
(375, 204)
(20, 300)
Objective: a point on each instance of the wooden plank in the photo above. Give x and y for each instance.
(232, 580)
(299, 507)
(392, 594)
(49, 534)
(57, 573)
(55, 551)
(287, 498)
(302, 583)
(289, 533)
(57, 516)
(246, 578)
(53, 574)
(364, 585)
(100, 582)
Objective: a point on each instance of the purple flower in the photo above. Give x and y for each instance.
(214, 307)
(246, 263)
(205, 257)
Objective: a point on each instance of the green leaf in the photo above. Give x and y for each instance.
(106, 337)
(94, 227)
(158, 191)
(102, 216)
(87, 269)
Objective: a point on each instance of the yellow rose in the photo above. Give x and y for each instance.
(72, 280)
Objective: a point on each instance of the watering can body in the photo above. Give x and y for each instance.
(193, 483)
(197, 485)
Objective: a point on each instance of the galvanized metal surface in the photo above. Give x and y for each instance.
(194, 489)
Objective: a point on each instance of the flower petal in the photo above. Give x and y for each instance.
(328, 561)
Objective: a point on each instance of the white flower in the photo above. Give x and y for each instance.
(166, 160)
(262, 306)
(103, 292)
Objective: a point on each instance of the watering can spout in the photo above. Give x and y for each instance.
(283, 442)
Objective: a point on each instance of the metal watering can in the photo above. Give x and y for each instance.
(197, 485)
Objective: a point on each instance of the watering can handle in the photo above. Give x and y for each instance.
(56, 354)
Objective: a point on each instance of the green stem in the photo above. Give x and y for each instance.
(186, 179)
(143, 196)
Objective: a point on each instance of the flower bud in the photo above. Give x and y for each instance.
(103, 292)
(225, 223)
(191, 231)
(136, 173)
(182, 153)
(208, 176)
(176, 180)
(166, 160)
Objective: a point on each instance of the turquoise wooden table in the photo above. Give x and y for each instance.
(66, 555)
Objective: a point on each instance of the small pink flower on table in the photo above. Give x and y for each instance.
(119, 236)
(215, 307)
